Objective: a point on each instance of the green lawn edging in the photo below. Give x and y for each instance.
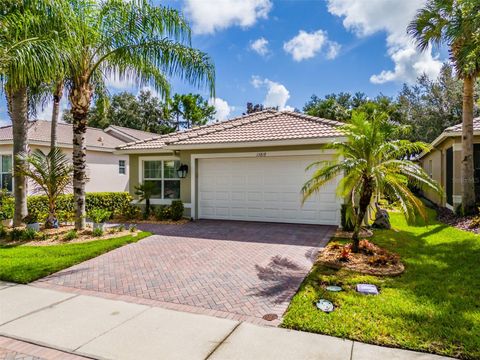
(24, 264)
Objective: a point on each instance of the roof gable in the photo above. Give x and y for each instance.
(268, 125)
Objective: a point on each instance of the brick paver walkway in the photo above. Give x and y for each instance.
(239, 270)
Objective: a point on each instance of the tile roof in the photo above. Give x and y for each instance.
(458, 127)
(137, 134)
(268, 125)
(39, 131)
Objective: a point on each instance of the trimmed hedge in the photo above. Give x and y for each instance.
(114, 202)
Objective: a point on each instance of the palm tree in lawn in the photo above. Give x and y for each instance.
(51, 174)
(29, 55)
(456, 23)
(132, 40)
(372, 165)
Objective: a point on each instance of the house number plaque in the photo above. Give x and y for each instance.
(261, 154)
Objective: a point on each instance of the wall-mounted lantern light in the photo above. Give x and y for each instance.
(182, 171)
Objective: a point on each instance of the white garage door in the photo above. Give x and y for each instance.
(263, 189)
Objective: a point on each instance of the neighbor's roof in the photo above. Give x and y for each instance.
(455, 130)
(268, 125)
(132, 133)
(458, 127)
(39, 131)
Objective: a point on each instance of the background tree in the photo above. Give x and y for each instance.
(456, 23)
(189, 110)
(372, 165)
(135, 40)
(430, 106)
(30, 54)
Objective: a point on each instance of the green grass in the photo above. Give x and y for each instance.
(23, 264)
(434, 306)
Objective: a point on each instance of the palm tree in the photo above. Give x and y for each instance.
(57, 97)
(29, 55)
(456, 23)
(52, 175)
(145, 192)
(372, 165)
(130, 39)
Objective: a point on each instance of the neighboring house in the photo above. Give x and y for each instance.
(443, 164)
(106, 170)
(248, 168)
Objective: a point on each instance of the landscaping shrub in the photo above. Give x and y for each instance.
(7, 205)
(162, 212)
(118, 202)
(72, 234)
(28, 234)
(99, 215)
(3, 232)
(97, 232)
(176, 210)
(347, 225)
(16, 234)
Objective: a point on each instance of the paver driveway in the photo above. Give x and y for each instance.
(239, 270)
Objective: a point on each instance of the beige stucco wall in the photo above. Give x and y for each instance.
(438, 157)
(102, 169)
(185, 158)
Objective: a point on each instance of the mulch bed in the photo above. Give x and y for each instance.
(341, 234)
(371, 259)
(57, 236)
(448, 217)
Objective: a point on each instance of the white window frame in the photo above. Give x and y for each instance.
(2, 154)
(120, 167)
(141, 161)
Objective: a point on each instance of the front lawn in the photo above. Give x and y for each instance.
(23, 264)
(434, 306)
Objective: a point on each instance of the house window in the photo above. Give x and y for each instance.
(163, 174)
(6, 172)
(121, 167)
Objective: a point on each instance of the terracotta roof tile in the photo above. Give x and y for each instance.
(137, 134)
(268, 125)
(39, 130)
(458, 127)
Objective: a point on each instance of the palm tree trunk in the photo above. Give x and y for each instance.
(365, 200)
(80, 99)
(57, 97)
(18, 108)
(468, 178)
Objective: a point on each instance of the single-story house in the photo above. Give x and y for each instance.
(248, 168)
(443, 164)
(107, 171)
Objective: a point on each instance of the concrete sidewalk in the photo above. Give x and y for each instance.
(108, 329)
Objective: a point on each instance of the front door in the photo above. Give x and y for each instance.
(449, 176)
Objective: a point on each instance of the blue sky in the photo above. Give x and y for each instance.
(281, 52)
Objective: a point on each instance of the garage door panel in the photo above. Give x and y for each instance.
(263, 189)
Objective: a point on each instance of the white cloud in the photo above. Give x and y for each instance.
(307, 45)
(260, 46)
(210, 15)
(277, 94)
(391, 17)
(222, 107)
